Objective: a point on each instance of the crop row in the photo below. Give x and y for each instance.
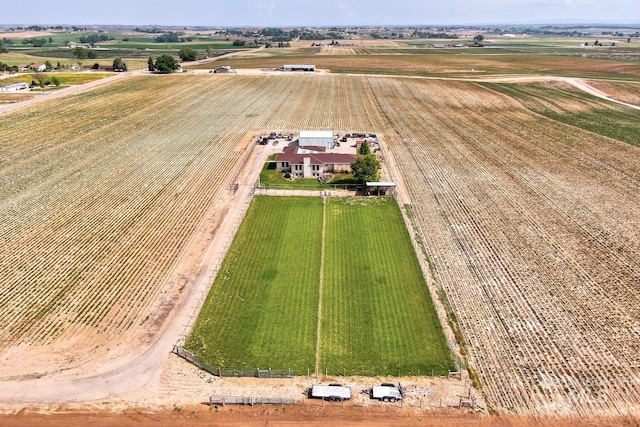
(533, 239)
(97, 217)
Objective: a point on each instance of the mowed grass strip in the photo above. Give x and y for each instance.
(378, 316)
(262, 309)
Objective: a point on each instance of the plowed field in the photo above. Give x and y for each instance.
(531, 222)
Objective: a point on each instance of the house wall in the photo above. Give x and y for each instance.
(283, 166)
(306, 167)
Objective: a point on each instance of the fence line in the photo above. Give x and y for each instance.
(325, 187)
(231, 372)
(233, 182)
(213, 272)
(249, 401)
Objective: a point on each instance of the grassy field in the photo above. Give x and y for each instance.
(263, 307)
(378, 318)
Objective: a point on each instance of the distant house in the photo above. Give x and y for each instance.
(38, 67)
(312, 162)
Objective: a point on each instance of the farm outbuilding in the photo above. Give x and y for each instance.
(14, 87)
(299, 67)
(316, 138)
(381, 188)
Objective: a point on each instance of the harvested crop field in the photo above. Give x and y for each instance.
(471, 63)
(622, 91)
(530, 221)
(532, 228)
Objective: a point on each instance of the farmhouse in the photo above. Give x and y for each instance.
(316, 138)
(307, 163)
(297, 67)
(14, 87)
(38, 67)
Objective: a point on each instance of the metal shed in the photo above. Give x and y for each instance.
(316, 138)
(381, 188)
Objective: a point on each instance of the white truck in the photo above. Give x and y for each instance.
(331, 392)
(386, 392)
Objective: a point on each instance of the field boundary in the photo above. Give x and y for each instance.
(231, 372)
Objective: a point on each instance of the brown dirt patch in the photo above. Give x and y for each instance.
(293, 416)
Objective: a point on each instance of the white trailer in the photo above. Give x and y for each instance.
(386, 392)
(331, 392)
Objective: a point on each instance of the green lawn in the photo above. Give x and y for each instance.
(377, 317)
(263, 307)
(271, 178)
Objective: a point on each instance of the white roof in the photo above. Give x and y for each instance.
(331, 390)
(381, 184)
(316, 134)
(379, 392)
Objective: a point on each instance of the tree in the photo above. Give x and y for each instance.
(3, 49)
(55, 81)
(41, 79)
(48, 65)
(366, 168)
(118, 65)
(95, 66)
(210, 52)
(364, 149)
(80, 52)
(478, 39)
(166, 64)
(92, 55)
(152, 67)
(187, 54)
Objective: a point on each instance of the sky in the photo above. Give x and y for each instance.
(295, 13)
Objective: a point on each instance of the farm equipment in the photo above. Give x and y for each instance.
(387, 392)
(331, 392)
